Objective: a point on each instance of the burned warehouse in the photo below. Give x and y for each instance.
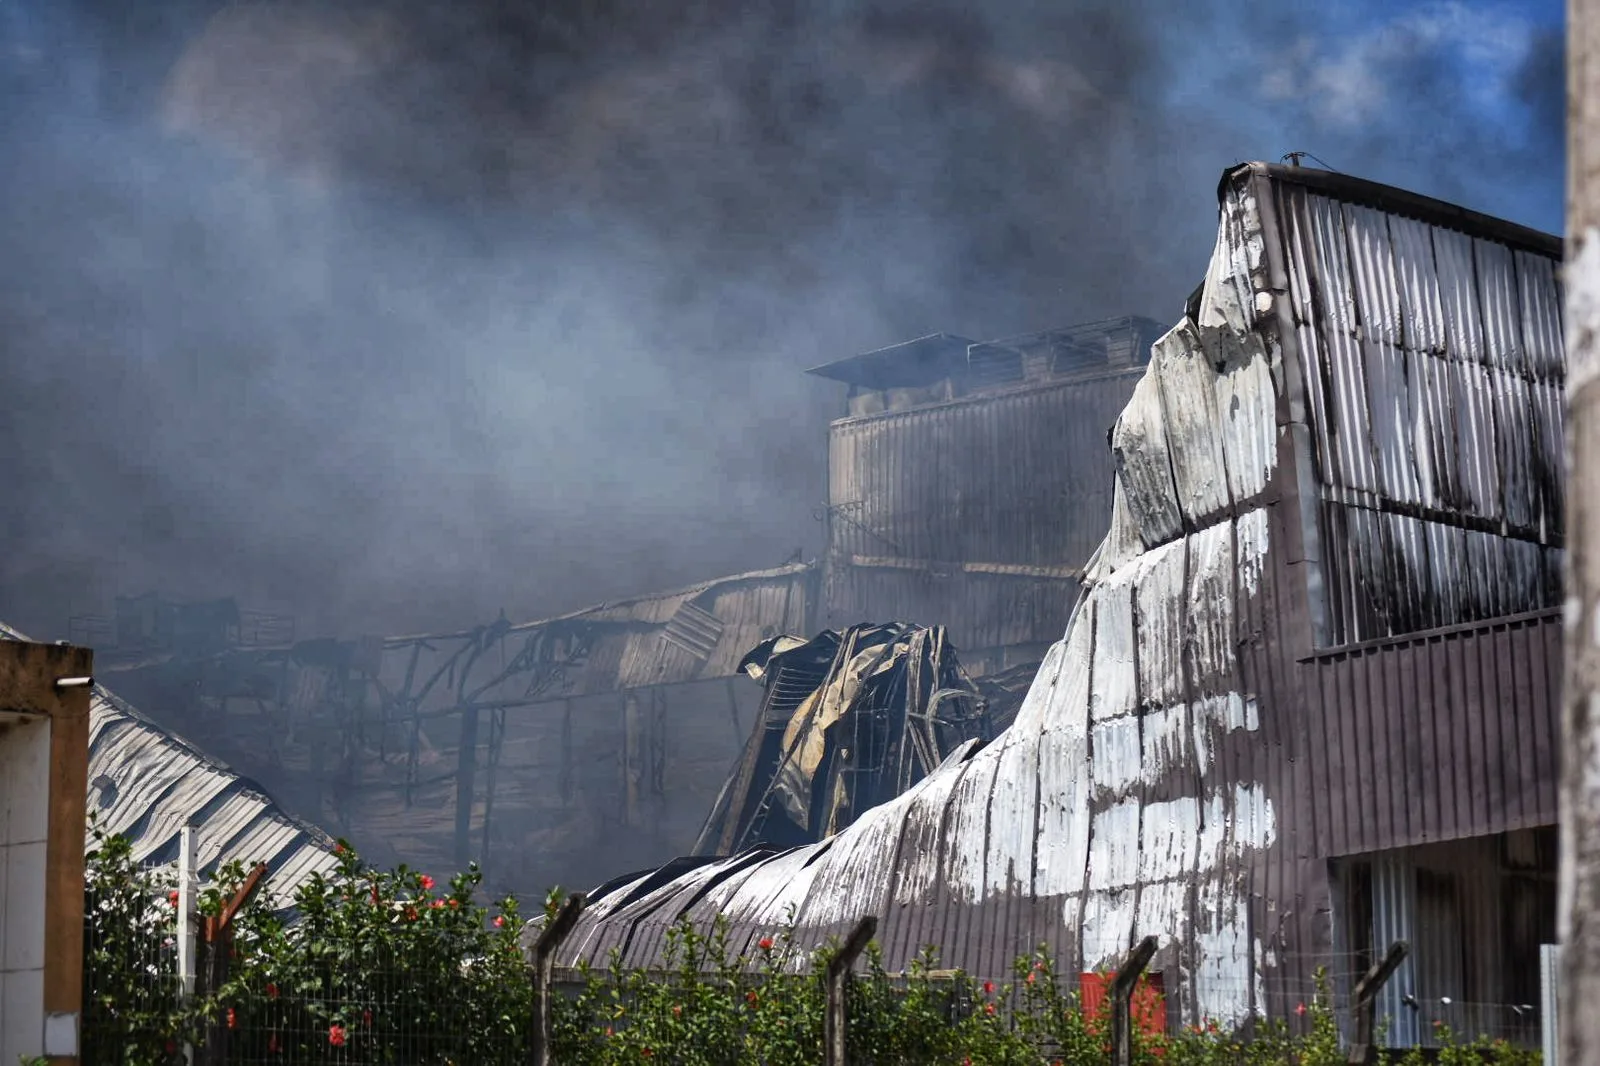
(518, 744)
(1306, 703)
(1268, 671)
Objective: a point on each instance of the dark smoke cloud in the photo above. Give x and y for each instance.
(392, 315)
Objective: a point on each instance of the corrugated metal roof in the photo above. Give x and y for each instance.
(1162, 775)
(147, 784)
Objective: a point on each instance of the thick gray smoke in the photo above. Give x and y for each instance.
(391, 315)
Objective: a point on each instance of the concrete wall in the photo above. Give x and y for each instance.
(24, 831)
(44, 761)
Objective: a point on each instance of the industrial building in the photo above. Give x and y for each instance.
(1307, 704)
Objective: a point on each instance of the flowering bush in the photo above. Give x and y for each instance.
(130, 972)
(376, 961)
(390, 967)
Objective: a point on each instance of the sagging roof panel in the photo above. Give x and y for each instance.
(147, 783)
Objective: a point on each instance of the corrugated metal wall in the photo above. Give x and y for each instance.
(976, 514)
(1433, 367)
(1435, 737)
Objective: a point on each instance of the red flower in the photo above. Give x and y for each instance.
(436, 904)
(765, 943)
(366, 1018)
(172, 897)
(988, 1008)
(336, 1035)
(499, 921)
(454, 903)
(677, 1011)
(1031, 976)
(427, 883)
(751, 998)
(608, 1031)
(374, 893)
(411, 914)
(233, 1022)
(1301, 1010)
(272, 990)
(988, 988)
(1039, 965)
(338, 849)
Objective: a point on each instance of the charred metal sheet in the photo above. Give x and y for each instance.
(849, 721)
(1434, 367)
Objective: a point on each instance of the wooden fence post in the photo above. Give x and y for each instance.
(837, 981)
(544, 950)
(1364, 1003)
(1122, 986)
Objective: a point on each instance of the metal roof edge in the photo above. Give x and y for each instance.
(787, 570)
(1394, 200)
(240, 784)
(1089, 376)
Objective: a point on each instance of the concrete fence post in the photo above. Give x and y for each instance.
(544, 952)
(837, 984)
(1364, 1004)
(187, 925)
(1122, 986)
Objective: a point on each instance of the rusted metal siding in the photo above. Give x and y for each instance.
(1433, 368)
(1435, 736)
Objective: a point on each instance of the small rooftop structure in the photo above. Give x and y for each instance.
(945, 366)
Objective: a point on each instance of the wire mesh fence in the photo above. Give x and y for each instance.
(382, 968)
(363, 1016)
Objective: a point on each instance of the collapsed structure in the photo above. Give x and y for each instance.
(968, 487)
(1306, 705)
(848, 721)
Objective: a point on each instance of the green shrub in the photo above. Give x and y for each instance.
(388, 967)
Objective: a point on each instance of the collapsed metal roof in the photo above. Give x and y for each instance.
(847, 721)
